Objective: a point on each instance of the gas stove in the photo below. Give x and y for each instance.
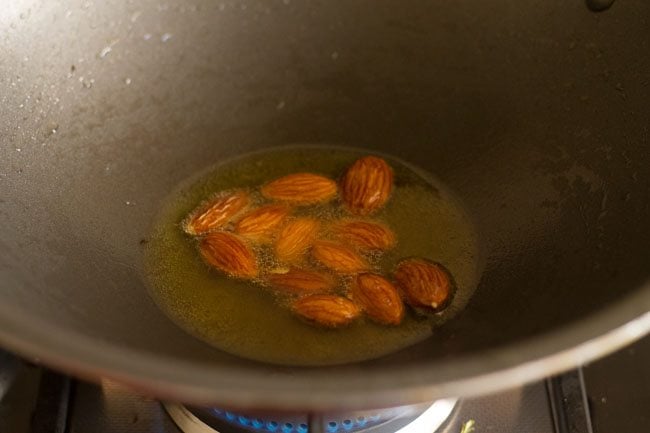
(610, 395)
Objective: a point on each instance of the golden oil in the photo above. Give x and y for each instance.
(245, 319)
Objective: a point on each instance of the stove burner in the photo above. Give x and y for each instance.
(404, 419)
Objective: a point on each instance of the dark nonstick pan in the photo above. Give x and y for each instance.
(535, 113)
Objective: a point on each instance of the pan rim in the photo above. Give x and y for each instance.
(172, 379)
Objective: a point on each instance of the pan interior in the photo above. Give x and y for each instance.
(534, 115)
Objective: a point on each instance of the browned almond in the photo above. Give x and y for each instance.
(425, 284)
(365, 235)
(230, 254)
(378, 298)
(295, 238)
(326, 310)
(366, 185)
(262, 223)
(302, 281)
(301, 189)
(337, 257)
(216, 213)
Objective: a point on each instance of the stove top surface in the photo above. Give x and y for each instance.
(610, 395)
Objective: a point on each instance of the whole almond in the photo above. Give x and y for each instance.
(337, 257)
(366, 185)
(216, 212)
(295, 238)
(302, 281)
(301, 189)
(260, 224)
(424, 284)
(378, 298)
(326, 310)
(365, 235)
(230, 254)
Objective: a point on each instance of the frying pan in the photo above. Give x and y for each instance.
(534, 113)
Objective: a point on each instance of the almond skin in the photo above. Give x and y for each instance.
(216, 213)
(379, 298)
(295, 239)
(365, 235)
(424, 284)
(230, 254)
(337, 257)
(302, 281)
(260, 224)
(301, 189)
(366, 185)
(326, 310)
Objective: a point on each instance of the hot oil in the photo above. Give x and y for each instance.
(246, 320)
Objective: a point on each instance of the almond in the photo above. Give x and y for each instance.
(260, 224)
(365, 235)
(425, 284)
(302, 281)
(326, 310)
(230, 254)
(301, 189)
(338, 258)
(295, 238)
(366, 185)
(378, 298)
(216, 213)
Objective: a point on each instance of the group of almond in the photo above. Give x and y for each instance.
(324, 264)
